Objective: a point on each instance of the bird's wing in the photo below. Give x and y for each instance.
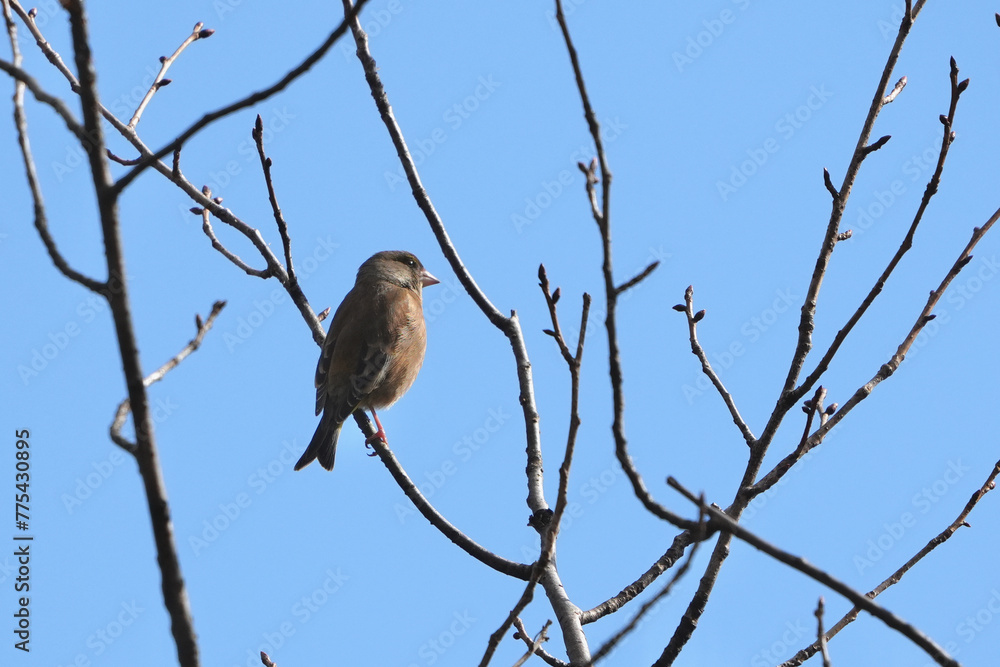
(323, 367)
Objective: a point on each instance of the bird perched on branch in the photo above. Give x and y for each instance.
(373, 350)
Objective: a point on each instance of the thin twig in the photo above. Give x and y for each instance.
(602, 216)
(173, 174)
(462, 541)
(629, 284)
(206, 226)
(819, 633)
(522, 602)
(616, 639)
(706, 367)
(788, 397)
(510, 326)
(279, 219)
(673, 554)
(895, 577)
(243, 103)
(533, 645)
(21, 124)
(546, 657)
(549, 525)
(948, 136)
(807, 320)
(121, 414)
(725, 523)
(165, 63)
(146, 455)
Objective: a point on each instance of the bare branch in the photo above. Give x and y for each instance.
(206, 226)
(681, 542)
(522, 633)
(279, 219)
(502, 565)
(534, 645)
(693, 319)
(510, 326)
(819, 633)
(172, 582)
(788, 396)
(725, 523)
(807, 320)
(121, 414)
(615, 639)
(522, 603)
(165, 63)
(929, 191)
(896, 576)
(21, 123)
(247, 101)
(624, 287)
(602, 215)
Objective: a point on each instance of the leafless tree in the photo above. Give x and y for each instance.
(699, 522)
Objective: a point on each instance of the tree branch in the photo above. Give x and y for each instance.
(602, 216)
(174, 593)
(121, 414)
(692, 320)
(243, 103)
(725, 523)
(896, 576)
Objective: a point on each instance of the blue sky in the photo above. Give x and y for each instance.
(324, 568)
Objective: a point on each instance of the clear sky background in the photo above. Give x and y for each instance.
(336, 568)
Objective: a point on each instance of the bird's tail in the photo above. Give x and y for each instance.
(323, 445)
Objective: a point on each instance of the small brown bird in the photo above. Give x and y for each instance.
(373, 350)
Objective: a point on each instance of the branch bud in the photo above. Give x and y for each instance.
(699, 316)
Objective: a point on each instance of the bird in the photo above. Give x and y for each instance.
(373, 350)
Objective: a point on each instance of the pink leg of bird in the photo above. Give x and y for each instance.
(380, 435)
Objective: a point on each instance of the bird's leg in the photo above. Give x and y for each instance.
(379, 435)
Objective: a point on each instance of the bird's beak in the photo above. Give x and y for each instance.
(426, 279)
